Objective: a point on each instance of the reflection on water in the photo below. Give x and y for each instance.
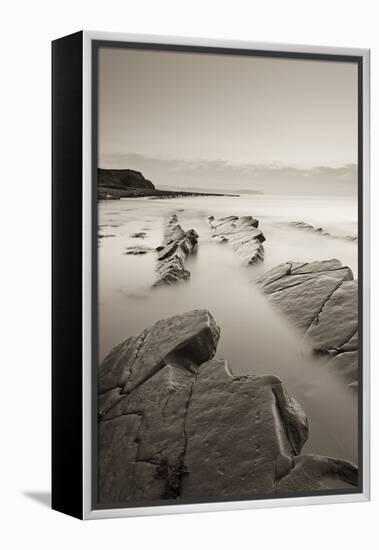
(255, 339)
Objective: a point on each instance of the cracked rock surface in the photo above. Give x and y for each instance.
(174, 422)
(321, 299)
(177, 245)
(241, 234)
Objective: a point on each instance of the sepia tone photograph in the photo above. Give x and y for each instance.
(227, 270)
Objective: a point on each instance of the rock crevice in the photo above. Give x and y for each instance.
(321, 299)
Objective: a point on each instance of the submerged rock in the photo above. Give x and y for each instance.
(175, 423)
(177, 245)
(321, 299)
(321, 231)
(241, 234)
(137, 250)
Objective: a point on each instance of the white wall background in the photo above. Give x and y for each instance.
(27, 28)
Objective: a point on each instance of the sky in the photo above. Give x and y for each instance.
(214, 116)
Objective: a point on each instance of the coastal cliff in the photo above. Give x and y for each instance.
(125, 183)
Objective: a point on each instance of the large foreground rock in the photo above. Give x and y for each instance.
(190, 338)
(321, 299)
(177, 245)
(175, 423)
(242, 234)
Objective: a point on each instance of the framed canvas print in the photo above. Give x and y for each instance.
(210, 275)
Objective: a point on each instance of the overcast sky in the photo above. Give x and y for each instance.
(244, 110)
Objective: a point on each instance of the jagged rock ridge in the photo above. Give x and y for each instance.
(242, 234)
(175, 423)
(321, 299)
(321, 231)
(177, 245)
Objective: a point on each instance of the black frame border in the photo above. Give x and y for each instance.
(67, 256)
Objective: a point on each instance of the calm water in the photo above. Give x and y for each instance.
(255, 339)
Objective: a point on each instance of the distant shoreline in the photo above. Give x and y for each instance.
(117, 194)
(115, 184)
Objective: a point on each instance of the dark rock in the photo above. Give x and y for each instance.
(320, 230)
(337, 321)
(321, 299)
(175, 423)
(177, 245)
(190, 338)
(312, 472)
(236, 430)
(137, 250)
(139, 235)
(241, 234)
(122, 179)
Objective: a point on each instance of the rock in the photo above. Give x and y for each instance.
(175, 423)
(346, 364)
(321, 299)
(122, 179)
(337, 322)
(351, 344)
(177, 245)
(137, 250)
(141, 439)
(190, 338)
(312, 472)
(241, 234)
(236, 430)
(139, 235)
(320, 230)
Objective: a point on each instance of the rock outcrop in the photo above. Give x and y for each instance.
(125, 183)
(175, 423)
(177, 245)
(308, 227)
(122, 179)
(242, 234)
(137, 250)
(321, 299)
